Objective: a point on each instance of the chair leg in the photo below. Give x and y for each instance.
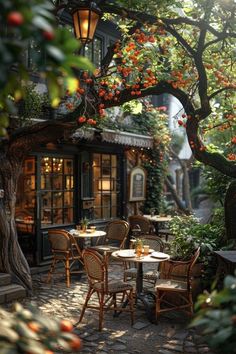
(158, 305)
(101, 310)
(114, 303)
(190, 303)
(67, 272)
(131, 305)
(85, 305)
(52, 269)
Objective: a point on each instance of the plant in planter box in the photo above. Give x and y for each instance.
(216, 317)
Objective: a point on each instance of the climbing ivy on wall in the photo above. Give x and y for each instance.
(155, 172)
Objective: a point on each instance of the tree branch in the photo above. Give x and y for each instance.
(221, 90)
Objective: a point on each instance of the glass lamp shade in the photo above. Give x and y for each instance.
(85, 20)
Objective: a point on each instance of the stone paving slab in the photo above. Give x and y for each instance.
(169, 336)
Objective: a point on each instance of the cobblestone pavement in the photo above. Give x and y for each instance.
(170, 336)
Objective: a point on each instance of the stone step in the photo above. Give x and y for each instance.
(11, 292)
(5, 279)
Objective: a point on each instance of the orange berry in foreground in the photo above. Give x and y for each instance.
(66, 326)
(49, 36)
(15, 18)
(48, 352)
(34, 326)
(76, 343)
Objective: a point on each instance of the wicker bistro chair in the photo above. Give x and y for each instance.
(64, 250)
(96, 267)
(179, 290)
(139, 225)
(149, 275)
(116, 235)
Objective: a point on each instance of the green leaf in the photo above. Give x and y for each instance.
(55, 53)
(222, 335)
(42, 23)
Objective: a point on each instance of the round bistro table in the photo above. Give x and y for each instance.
(140, 295)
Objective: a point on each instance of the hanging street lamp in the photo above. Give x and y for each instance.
(85, 19)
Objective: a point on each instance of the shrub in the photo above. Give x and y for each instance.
(188, 234)
(25, 331)
(216, 317)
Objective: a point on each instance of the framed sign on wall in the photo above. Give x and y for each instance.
(137, 184)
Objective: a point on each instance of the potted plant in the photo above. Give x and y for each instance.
(84, 224)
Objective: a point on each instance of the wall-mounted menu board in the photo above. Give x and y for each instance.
(137, 184)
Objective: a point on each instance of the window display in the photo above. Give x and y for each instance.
(57, 186)
(105, 185)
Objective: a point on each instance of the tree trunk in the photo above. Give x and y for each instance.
(176, 198)
(230, 211)
(12, 259)
(186, 186)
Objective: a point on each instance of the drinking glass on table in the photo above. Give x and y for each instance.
(145, 250)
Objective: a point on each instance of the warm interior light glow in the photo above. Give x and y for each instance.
(105, 185)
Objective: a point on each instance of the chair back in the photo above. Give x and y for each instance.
(154, 242)
(59, 240)
(96, 268)
(117, 230)
(139, 221)
(179, 270)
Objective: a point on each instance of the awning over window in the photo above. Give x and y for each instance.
(125, 138)
(116, 137)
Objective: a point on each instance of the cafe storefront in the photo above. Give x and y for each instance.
(61, 184)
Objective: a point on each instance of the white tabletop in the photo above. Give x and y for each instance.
(158, 218)
(142, 259)
(96, 233)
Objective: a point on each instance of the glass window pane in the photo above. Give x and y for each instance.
(88, 51)
(57, 165)
(58, 216)
(57, 199)
(97, 213)
(45, 181)
(104, 184)
(46, 199)
(69, 182)
(114, 198)
(114, 161)
(46, 216)
(113, 211)
(57, 182)
(34, 53)
(46, 165)
(57, 178)
(68, 198)
(68, 215)
(96, 160)
(97, 52)
(106, 213)
(68, 166)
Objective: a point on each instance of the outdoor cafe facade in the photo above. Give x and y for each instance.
(61, 184)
